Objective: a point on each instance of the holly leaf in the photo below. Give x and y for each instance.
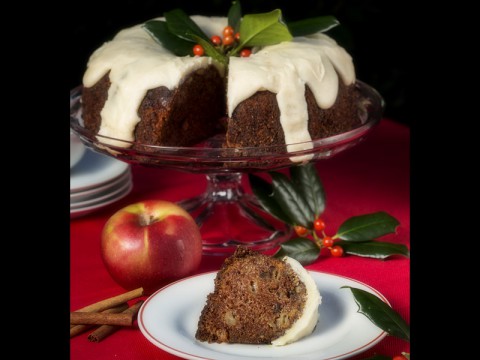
(380, 313)
(235, 15)
(300, 249)
(158, 30)
(181, 25)
(367, 227)
(264, 194)
(312, 25)
(263, 29)
(374, 249)
(309, 185)
(292, 202)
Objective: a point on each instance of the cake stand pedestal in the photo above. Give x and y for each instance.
(225, 211)
(232, 217)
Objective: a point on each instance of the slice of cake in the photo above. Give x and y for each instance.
(259, 299)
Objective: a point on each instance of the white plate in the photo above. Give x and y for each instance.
(100, 195)
(93, 192)
(169, 318)
(95, 169)
(104, 196)
(75, 213)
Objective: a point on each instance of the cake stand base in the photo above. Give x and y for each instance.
(228, 217)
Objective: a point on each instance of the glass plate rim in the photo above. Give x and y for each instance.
(228, 154)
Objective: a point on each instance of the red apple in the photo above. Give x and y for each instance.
(149, 244)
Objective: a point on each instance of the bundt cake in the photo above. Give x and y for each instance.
(258, 299)
(136, 90)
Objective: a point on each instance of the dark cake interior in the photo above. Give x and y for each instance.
(256, 121)
(184, 116)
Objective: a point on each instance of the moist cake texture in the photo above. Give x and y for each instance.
(258, 299)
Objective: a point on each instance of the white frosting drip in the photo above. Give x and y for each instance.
(285, 69)
(137, 63)
(307, 322)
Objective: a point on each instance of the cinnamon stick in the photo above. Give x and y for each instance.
(113, 301)
(100, 318)
(78, 329)
(105, 330)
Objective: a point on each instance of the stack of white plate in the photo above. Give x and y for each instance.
(96, 181)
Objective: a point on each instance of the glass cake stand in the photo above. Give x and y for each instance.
(226, 214)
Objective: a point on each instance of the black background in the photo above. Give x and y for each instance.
(374, 32)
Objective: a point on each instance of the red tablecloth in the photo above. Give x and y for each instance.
(373, 176)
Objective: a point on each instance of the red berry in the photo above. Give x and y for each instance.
(336, 251)
(300, 230)
(216, 40)
(327, 241)
(228, 40)
(399, 357)
(245, 52)
(198, 50)
(228, 31)
(319, 225)
(237, 36)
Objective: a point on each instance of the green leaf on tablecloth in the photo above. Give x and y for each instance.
(297, 200)
(367, 227)
(264, 194)
(374, 249)
(290, 200)
(309, 185)
(300, 249)
(380, 313)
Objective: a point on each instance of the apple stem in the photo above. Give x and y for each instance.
(146, 219)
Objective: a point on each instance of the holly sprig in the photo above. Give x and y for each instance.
(182, 36)
(300, 201)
